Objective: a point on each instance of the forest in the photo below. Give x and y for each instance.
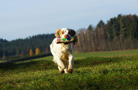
(119, 33)
(22, 47)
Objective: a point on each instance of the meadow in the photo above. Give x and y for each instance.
(114, 70)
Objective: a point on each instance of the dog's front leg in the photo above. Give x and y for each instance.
(71, 63)
(61, 65)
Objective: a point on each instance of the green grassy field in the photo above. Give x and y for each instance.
(92, 71)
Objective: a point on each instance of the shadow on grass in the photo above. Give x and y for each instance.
(46, 64)
(29, 65)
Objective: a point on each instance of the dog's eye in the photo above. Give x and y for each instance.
(69, 33)
(62, 32)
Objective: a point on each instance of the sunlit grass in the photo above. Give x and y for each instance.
(107, 53)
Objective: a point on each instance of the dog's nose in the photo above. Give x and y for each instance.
(66, 36)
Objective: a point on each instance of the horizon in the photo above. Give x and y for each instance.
(21, 19)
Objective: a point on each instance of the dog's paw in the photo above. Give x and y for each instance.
(70, 70)
(62, 71)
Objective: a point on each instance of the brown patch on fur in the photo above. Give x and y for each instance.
(59, 33)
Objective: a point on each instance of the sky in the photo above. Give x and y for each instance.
(24, 18)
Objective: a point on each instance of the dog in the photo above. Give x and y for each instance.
(63, 52)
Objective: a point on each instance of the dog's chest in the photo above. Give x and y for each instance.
(65, 52)
(64, 56)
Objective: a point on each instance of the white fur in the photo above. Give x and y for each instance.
(63, 55)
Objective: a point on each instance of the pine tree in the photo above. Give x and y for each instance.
(37, 51)
(100, 24)
(90, 28)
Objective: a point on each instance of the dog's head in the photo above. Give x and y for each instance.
(65, 33)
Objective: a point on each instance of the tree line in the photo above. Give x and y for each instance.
(119, 33)
(22, 47)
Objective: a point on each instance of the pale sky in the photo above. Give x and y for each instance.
(23, 18)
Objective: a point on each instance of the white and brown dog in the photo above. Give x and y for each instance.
(63, 52)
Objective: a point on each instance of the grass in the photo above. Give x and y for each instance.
(92, 71)
(107, 54)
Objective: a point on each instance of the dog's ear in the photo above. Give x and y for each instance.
(72, 32)
(75, 40)
(57, 34)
